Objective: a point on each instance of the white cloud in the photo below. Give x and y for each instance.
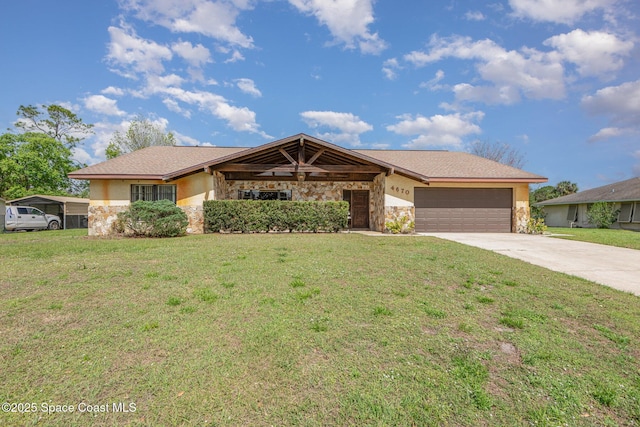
(156, 83)
(235, 57)
(248, 86)
(103, 105)
(196, 56)
(346, 122)
(607, 133)
(390, 67)
(511, 74)
(103, 132)
(111, 90)
(558, 11)
(240, 119)
(504, 94)
(438, 130)
(348, 126)
(81, 156)
(215, 19)
(133, 54)
(621, 104)
(434, 83)
(347, 20)
(182, 139)
(472, 15)
(172, 105)
(595, 53)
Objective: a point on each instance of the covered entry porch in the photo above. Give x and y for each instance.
(303, 168)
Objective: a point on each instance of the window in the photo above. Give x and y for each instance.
(29, 211)
(264, 195)
(572, 215)
(636, 213)
(626, 210)
(153, 192)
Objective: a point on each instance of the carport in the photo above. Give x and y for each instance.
(73, 211)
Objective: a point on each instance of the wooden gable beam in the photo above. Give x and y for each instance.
(285, 154)
(315, 156)
(301, 155)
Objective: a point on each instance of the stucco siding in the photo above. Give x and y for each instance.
(391, 197)
(193, 190)
(109, 197)
(399, 197)
(556, 216)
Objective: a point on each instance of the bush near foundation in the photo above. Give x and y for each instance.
(255, 216)
(161, 218)
(602, 214)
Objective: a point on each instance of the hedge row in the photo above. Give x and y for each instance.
(272, 215)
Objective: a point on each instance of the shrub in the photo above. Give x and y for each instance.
(602, 214)
(402, 224)
(536, 226)
(154, 219)
(248, 216)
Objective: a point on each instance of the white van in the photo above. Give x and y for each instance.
(29, 218)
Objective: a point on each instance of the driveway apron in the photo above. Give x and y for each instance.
(618, 268)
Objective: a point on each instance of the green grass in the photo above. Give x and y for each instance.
(610, 237)
(308, 329)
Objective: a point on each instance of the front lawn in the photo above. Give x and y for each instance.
(306, 329)
(611, 237)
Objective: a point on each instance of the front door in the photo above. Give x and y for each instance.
(360, 209)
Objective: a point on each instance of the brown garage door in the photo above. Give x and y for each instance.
(463, 209)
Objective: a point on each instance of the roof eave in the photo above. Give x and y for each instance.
(489, 180)
(585, 202)
(116, 176)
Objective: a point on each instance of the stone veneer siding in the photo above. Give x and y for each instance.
(394, 213)
(219, 186)
(377, 200)
(521, 215)
(102, 218)
(320, 191)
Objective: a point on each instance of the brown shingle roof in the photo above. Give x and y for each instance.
(153, 162)
(623, 191)
(169, 162)
(452, 165)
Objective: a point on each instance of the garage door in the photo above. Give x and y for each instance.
(463, 210)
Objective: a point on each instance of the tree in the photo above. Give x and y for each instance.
(499, 152)
(548, 192)
(142, 133)
(59, 123)
(32, 163)
(564, 188)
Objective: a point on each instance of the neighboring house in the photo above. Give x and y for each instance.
(571, 210)
(73, 211)
(440, 190)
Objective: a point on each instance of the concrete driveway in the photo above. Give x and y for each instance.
(607, 265)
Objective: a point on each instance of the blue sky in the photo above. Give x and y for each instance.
(558, 80)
